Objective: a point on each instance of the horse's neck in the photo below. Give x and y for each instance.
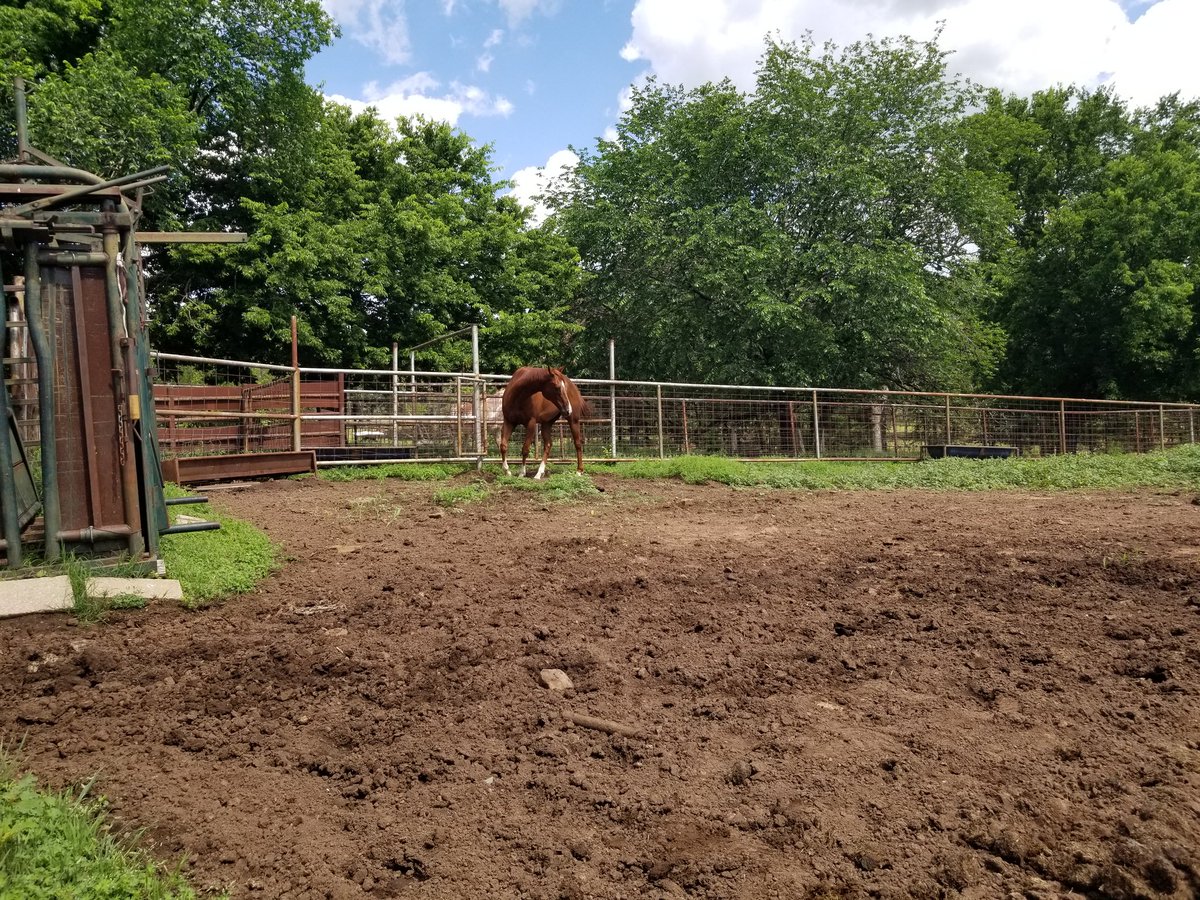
(528, 384)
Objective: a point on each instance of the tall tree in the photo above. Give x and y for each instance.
(392, 236)
(820, 230)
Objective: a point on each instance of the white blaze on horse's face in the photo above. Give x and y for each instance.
(561, 386)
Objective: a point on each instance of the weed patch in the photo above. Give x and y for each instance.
(55, 845)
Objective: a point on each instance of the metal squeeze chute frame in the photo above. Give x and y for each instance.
(102, 488)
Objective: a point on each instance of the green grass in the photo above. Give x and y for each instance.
(563, 486)
(1177, 468)
(401, 471)
(460, 495)
(216, 565)
(59, 845)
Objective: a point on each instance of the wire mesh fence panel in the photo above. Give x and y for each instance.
(221, 406)
(212, 407)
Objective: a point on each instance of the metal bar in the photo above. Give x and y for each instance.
(687, 447)
(816, 425)
(395, 391)
(661, 443)
(261, 414)
(191, 237)
(191, 527)
(477, 395)
(949, 440)
(22, 120)
(206, 360)
(1162, 429)
(296, 411)
(1062, 426)
(82, 191)
(71, 258)
(465, 460)
(612, 393)
(8, 480)
(443, 337)
(1191, 425)
(458, 441)
(185, 501)
(51, 506)
(119, 344)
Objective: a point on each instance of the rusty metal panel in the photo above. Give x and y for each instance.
(85, 424)
(193, 469)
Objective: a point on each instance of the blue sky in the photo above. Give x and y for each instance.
(534, 76)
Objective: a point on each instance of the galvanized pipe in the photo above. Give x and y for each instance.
(95, 533)
(71, 258)
(192, 527)
(29, 170)
(612, 394)
(118, 347)
(185, 501)
(82, 191)
(478, 396)
(42, 349)
(22, 120)
(8, 481)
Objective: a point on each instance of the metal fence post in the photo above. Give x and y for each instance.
(476, 399)
(1062, 426)
(1192, 424)
(949, 440)
(295, 389)
(1162, 429)
(816, 426)
(395, 393)
(661, 448)
(612, 394)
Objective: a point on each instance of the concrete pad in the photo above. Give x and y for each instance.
(34, 595)
(150, 588)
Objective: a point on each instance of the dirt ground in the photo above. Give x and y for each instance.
(839, 694)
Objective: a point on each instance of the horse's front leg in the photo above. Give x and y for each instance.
(530, 431)
(547, 441)
(506, 431)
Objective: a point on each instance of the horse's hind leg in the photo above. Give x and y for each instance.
(505, 432)
(547, 442)
(577, 437)
(530, 430)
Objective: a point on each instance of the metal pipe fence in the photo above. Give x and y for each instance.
(211, 406)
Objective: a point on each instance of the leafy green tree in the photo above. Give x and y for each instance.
(820, 230)
(1105, 302)
(393, 236)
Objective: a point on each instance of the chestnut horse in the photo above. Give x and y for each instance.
(539, 397)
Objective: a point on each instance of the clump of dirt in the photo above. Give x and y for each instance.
(869, 694)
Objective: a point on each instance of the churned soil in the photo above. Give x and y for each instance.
(838, 694)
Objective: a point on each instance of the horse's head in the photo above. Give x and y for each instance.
(556, 391)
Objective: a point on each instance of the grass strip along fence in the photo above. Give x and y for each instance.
(1178, 468)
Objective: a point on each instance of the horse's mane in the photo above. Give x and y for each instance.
(527, 379)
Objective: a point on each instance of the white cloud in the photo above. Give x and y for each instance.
(484, 62)
(519, 10)
(419, 95)
(531, 181)
(494, 38)
(1018, 45)
(448, 7)
(378, 24)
